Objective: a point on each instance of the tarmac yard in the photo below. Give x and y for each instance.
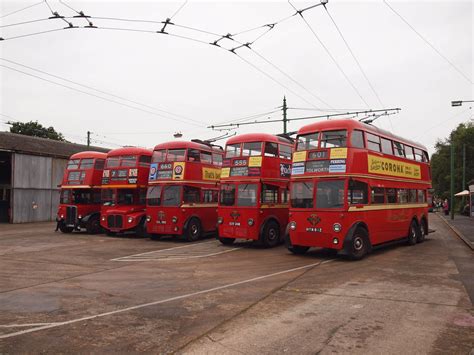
(79, 293)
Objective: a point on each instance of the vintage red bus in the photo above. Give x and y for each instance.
(183, 189)
(355, 186)
(79, 205)
(124, 182)
(253, 202)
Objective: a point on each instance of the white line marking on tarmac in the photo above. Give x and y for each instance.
(25, 325)
(175, 258)
(258, 278)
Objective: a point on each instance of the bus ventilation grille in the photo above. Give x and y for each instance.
(71, 214)
(115, 221)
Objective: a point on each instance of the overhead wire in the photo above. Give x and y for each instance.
(22, 9)
(179, 9)
(26, 22)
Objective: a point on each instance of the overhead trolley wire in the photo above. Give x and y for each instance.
(428, 43)
(179, 9)
(23, 9)
(25, 22)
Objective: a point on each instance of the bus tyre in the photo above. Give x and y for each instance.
(64, 229)
(226, 241)
(423, 231)
(414, 233)
(193, 230)
(271, 234)
(359, 244)
(93, 225)
(140, 229)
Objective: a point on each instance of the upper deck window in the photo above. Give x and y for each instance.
(271, 149)
(144, 160)
(331, 139)
(307, 141)
(176, 155)
(128, 160)
(373, 142)
(387, 146)
(418, 154)
(206, 157)
(194, 155)
(73, 164)
(398, 149)
(217, 159)
(285, 151)
(99, 164)
(159, 156)
(87, 163)
(112, 162)
(357, 139)
(232, 150)
(426, 158)
(252, 149)
(409, 152)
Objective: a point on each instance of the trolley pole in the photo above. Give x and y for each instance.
(88, 139)
(463, 172)
(451, 202)
(284, 114)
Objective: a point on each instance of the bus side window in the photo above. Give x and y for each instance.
(271, 149)
(402, 195)
(284, 195)
(144, 160)
(357, 139)
(216, 159)
(418, 154)
(269, 194)
(391, 195)
(411, 195)
(398, 149)
(426, 158)
(421, 196)
(409, 152)
(209, 196)
(373, 142)
(377, 195)
(99, 164)
(193, 155)
(191, 194)
(358, 192)
(386, 146)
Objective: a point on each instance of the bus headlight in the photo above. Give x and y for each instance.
(220, 220)
(292, 226)
(336, 227)
(80, 216)
(148, 218)
(103, 218)
(250, 222)
(174, 219)
(130, 219)
(62, 216)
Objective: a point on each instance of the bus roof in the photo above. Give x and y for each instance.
(186, 145)
(89, 154)
(353, 124)
(129, 151)
(258, 137)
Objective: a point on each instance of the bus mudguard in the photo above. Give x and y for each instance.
(349, 234)
(86, 218)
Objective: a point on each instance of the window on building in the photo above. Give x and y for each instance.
(271, 149)
(330, 194)
(357, 139)
(307, 141)
(285, 151)
(252, 149)
(232, 150)
(358, 192)
(331, 139)
(269, 193)
(386, 146)
(373, 142)
(377, 195)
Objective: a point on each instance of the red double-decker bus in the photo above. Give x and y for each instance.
(183, 189)
(79, 205)
(253, 202)
(124, 182)
(355, 186)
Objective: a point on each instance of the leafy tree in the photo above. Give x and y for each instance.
(36, 129)
(441, 160)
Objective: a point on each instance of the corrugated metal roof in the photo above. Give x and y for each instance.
(41, 146)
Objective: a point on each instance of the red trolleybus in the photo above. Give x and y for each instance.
(79, 205)
(253, 202)
(124, 190)
(183, 189)
(355, 186)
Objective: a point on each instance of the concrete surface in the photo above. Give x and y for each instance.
(463, 226)
(78, 293)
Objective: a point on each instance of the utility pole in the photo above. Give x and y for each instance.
(284, 107)
(88, 139)
(451, 202)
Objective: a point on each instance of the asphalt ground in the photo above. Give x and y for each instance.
(78, 293)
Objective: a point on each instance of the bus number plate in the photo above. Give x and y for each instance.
(234, 224)
(314, 229)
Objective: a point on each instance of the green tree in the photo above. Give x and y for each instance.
(36, 129)
(440, 161)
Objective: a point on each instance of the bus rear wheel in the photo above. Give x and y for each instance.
(226, 241)
(414, 233)
(193, 230)
(93, 225)
(271, 234)
(359, 244)
(423, 231)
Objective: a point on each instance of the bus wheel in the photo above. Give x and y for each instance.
(359, 244)
(414, 233)
(193, 231)
(271, 234)
(140, 230)
(226, 241)
(423, 231)
(93, 225)
(64, 229)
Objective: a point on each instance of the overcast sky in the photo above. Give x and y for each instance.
(199, 84)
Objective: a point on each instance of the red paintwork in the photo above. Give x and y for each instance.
(383, 225)
(234, 220)
(160, 218)
(91, 181)
(136, 210)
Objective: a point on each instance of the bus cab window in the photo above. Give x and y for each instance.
(99, 164)
(176, 154)
(307, 141)
(232, 150)
(153, 196)
(330, 194)
(269, 194)
(252, 149)
(191, 194)
(398, 149)
(373, 142)
(377, 195)
(125, 196)
(285, 151)
(386, 146)
(227, 195)
(158, 156)
(271, 149)
(172, 195)
(301, 195)
(144, 160)
(331, 139)
(247, 195)
(391, 195)
(193, 155)
(402, 195)
(216, 159)
(357, 139)
(206, 157)
(358, 192)
(108, 197)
